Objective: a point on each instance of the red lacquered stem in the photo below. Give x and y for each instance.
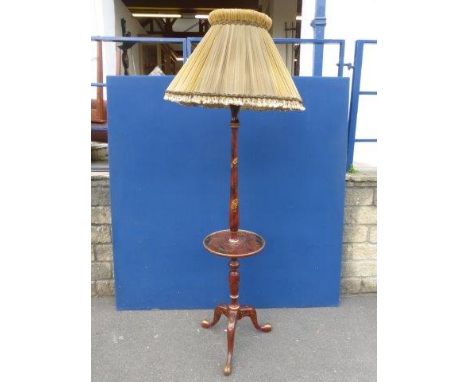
(234, 198)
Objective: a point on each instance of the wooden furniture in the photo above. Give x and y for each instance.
(234, 244)
(98, 105)
(238, 65)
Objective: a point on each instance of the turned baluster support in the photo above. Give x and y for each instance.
(234, 278)
(234, 244)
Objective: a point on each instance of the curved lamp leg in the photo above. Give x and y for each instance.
(248, 311)
(231, 331)
(219, 310)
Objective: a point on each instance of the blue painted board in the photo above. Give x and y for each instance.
(169, 178)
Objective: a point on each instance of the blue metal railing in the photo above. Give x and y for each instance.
(356, 92)
(189, 41)
(317, 70)
(318, 23)
(145, 40)
(319, 42)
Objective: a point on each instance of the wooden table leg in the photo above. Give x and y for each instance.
(219, 310)
(231, 331)
(233, 311)
(249, 311)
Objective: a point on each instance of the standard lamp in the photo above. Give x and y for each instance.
(235, 65)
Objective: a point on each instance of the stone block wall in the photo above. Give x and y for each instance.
(359, 262)
(102, 266)
(99, 152)
(359, 267)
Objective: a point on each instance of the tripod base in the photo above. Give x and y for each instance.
(233, 314)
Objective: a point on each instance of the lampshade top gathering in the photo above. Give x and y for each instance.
(236, 63)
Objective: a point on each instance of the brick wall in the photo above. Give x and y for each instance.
(359, 240)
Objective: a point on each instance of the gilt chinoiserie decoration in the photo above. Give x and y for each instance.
(236, 65)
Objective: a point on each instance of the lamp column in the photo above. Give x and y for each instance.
(234, 197)
(234, 244)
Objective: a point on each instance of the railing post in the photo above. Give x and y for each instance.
(189, 46)
(190, 41)
(318, 23)
(185, 49)
(354, 103)
(341, 59)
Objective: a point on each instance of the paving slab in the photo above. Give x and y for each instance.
(335, 344)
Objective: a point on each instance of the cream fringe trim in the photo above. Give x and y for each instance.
(213, 101)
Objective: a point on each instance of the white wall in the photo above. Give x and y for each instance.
(133, 25)
(357, 20)
(351, 21)
(103, 24)
(281, 12)
(307, 51)
(105, 21)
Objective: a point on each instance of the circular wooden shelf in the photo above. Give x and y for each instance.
(247, 243)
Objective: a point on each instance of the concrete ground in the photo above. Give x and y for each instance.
(313, 344)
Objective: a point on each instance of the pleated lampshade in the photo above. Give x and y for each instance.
(236, 63)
